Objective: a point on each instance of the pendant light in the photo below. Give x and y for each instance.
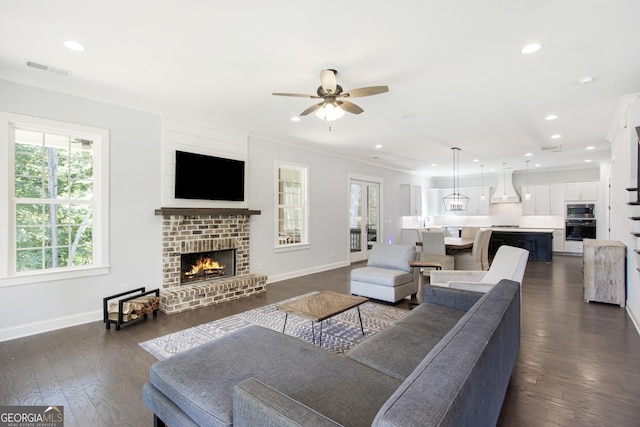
(482, 196)
(527, 195)
(504, 180)
(455, 202)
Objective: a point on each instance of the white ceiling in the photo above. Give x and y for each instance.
(454, 69)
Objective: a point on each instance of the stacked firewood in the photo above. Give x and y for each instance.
(134, 308)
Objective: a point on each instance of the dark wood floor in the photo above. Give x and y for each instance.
(579, 364)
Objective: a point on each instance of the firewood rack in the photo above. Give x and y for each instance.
(120, 320)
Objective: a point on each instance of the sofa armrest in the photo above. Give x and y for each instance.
(471, 286)
(255, 403)
(467, 276)
(453, 298)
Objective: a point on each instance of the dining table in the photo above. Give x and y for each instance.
(455, 244)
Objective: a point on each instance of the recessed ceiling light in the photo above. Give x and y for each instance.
(531, 48)
(476, 160)
(378, 146)
(73, 45)
(588, 161)
(591, 147)
(587, 79)
(556, 136)
(551, 117)
(434, 164)
(537, 165)
(529, 155)
(295, 119)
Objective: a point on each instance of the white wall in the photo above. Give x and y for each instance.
(202, 138)
(135, 232)
(329, 208)
(624, 146)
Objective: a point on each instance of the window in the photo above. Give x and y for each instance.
(56, 207)
(292, 206)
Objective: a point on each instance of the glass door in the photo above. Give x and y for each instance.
(364, 218)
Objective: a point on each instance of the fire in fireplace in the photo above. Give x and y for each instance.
(201, 266)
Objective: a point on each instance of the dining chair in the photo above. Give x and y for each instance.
(485, 249)
(471, 259)
(435, 250)
(469, 232)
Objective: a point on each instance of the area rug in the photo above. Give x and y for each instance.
(339, 334)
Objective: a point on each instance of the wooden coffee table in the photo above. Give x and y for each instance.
(321, 306)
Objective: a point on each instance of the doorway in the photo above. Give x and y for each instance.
(364, 218)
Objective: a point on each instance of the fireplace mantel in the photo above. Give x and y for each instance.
(206, 211)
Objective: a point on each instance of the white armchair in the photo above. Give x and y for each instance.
(388, 275)
(508, 263)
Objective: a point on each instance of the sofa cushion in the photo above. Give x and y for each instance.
(397, 350)
(395, 257)
(200, 381)
(381, 276)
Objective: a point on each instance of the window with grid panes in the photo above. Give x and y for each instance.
(292, 205)
(56, 212)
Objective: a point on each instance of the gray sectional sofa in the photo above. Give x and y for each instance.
(446, 363)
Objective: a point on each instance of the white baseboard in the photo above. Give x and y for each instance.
(34, 328)
(634, 319)
(298, 273)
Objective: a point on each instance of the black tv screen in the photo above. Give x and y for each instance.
(208, 178)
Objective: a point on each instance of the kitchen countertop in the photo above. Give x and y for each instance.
(523, 230)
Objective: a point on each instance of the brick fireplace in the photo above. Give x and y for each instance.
(192, 232)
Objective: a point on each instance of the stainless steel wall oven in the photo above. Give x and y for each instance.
(580, 222)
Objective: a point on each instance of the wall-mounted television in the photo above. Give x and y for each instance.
(208, 178)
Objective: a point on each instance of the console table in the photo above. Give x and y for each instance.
(604, 271)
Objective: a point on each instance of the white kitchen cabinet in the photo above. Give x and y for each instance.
(558, 241)
(433, 202)
(411, 199)
(546, 199)
(557, 199)
(581, 191)
(573, 246)
(540, 201)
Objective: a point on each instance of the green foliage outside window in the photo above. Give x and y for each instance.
(53, 191)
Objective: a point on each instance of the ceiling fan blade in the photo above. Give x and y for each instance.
(350, 107)
(295, 94)
(328, 80)
(365, 91)
(312, 109)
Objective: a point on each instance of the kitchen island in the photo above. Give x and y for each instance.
(538, 241)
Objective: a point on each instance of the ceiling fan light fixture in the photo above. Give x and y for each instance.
(329, 112)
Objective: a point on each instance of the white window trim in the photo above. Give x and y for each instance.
(296, 246)
(8, 276)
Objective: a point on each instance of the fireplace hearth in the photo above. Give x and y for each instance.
(201, 266)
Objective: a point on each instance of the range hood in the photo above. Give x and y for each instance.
(505, 187)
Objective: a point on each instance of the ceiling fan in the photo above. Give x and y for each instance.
(334, 104)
